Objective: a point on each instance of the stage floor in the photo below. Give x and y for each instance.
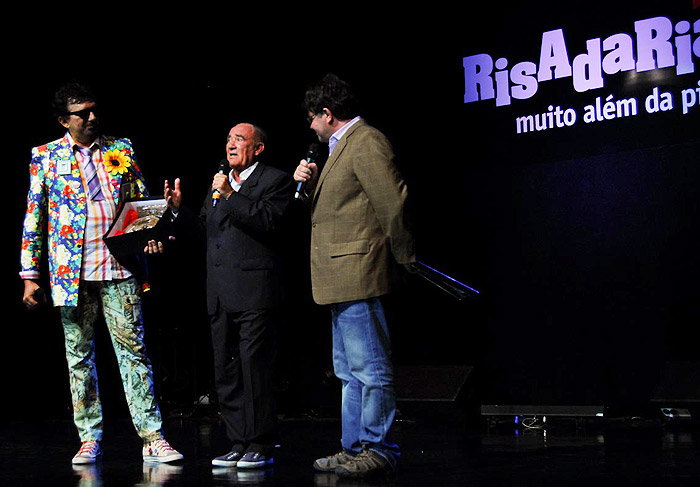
(490, 452)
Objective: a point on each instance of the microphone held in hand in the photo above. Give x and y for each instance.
(216, 194)
(311, 156)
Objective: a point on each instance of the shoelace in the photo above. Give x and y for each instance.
(336, 457)
(88, 447)
(162, 445)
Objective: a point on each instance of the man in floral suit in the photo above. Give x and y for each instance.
(74, 191)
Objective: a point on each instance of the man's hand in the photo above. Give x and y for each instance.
(306, 172)
(30, 297)
(173, 196)
(222, 185)
(153, 247)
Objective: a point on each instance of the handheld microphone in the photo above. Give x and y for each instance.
(216, 194)
(311, 155)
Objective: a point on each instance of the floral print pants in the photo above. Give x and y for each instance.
(120, 302)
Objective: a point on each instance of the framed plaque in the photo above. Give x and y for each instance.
(137, 222)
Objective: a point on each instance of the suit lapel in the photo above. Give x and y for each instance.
(65, 164)
(333, 159)
(246, 189)
(64, 154)
(252, 180)
(115, 180)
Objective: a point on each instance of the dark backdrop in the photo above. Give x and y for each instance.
(582, 241)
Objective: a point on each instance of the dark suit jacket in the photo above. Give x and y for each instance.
(244, 262)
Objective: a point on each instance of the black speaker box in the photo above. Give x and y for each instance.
(432, 392)
(679, 383)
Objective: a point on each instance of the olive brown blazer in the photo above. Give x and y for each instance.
(359, 230)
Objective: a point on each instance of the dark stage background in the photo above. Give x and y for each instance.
(582, 240)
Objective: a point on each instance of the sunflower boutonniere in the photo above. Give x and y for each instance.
(116, 161)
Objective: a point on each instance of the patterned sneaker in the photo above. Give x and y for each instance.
(160, 451)
(228, 460)
(329, 464)
(88, 453)
(254, 460)
(365, 464)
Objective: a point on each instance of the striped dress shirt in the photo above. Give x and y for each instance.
(98, 263)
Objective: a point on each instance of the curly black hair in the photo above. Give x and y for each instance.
(70, 93)
(333, 93)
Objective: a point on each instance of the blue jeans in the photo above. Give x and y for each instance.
(362, 362)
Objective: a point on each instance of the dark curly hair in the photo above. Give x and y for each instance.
(70, 93)
(333, 93)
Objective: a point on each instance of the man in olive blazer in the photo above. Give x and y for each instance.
(359, 240)
(359, 231)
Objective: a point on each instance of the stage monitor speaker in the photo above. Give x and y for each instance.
(542, 410)
(679, 383)
(434, 392)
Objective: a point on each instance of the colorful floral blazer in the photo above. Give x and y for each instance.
(57, 191)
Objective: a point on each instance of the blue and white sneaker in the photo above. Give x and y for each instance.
(253, 459)
(228, 460)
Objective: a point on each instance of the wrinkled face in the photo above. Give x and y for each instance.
(242, 147)
(81, 121)
(319, 124)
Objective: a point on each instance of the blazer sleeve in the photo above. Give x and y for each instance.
(374, 167)
(33, 227)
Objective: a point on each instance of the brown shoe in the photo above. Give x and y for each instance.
(329, 464)
(365, 464)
